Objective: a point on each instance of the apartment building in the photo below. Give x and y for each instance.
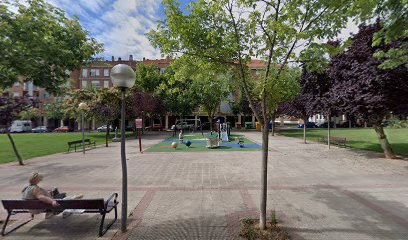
(97, 74)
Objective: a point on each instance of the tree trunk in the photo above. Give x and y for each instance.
(20, 161)
(304, 130)
(385, 145)
(264, 175)
(273, 124)
(328, 131)
(211, 125)
(107, 134)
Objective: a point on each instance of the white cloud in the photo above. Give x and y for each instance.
(119, 24)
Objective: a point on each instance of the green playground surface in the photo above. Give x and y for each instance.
(199, 142)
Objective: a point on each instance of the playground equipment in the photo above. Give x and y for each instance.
(240, 142)
(181, 136)
(187, 143)
(174, 145)
(212, 143)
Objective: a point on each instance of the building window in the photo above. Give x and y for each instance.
(94, 72)
(84, 72)
(46, 95)
(83, 84)
(106, 84)
(106, 72)
(162, 71)
(95, 84)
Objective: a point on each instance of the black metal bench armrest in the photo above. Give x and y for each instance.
(114, 196)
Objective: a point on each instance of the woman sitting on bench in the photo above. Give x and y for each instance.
(33, 191)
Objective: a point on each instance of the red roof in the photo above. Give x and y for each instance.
(256, 64)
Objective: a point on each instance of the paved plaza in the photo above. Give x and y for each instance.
(317, 193)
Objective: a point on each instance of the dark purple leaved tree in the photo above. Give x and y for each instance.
(362, 89)
(10, 109)
(312, 99)
(142, 104)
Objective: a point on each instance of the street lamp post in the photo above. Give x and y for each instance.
(82, 106)
(123, 77)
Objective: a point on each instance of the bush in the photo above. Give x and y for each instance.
(396, 123)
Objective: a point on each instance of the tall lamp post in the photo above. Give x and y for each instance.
(82, 106)
(123, 77)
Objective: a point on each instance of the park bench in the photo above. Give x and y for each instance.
(340, 141)
(98, 205)
(78, 143)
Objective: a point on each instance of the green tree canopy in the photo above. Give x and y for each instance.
(230, 32)
(148, 77)
(39, 43)
(211, 82)
(176, 93)
(393, 16)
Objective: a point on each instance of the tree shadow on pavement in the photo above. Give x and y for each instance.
(342, 214)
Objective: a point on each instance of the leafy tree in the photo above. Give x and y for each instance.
(87, 95)
(366, 91)
(106, 108)
(31, 113)
(284, 88)
(231, 31)
(40, 44)
(10, 109)
(144, 104)
(211, 82)
(393, 15)
(311, 99)
(56, 109)
(177, 94)
(148, 78)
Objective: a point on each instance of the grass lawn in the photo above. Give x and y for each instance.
(358, 138)
(199, 145)
(32, 145)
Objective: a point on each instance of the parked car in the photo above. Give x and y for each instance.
(62, 129)
(183, 125)
(39, 129)
(19, 126)
(104, 128)
(385, 123)
(324, 125)
(308, 125)
(130, 129)
(187, 124)
(155, 127)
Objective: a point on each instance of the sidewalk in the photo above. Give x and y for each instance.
(317, 193)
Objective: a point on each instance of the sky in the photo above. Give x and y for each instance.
(119, 24)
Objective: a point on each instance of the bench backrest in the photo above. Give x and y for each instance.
(79, 141)
(94, 204)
